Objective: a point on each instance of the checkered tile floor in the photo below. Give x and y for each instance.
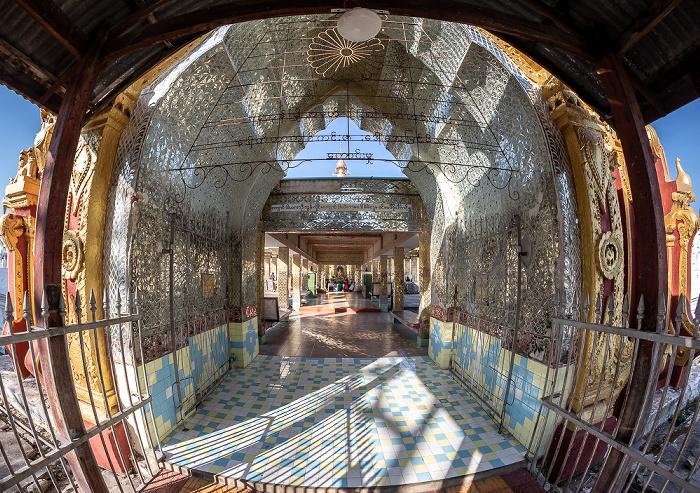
(341, 422)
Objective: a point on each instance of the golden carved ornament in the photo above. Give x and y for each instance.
(11, 229)
(72, 254)
(610, 254)
(532, 70)
(682, 218)
(654, 142)
(27, 165)
(593, 162)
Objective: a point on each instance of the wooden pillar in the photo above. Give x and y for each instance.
(51, 207)
(296, 282)
(424, 277)
(398, 278)
(282, 278)
(650, 263)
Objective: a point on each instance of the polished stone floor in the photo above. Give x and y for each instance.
(344, 334)
(340, 422)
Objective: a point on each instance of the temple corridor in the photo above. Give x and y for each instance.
(494, 279)
(340, 325)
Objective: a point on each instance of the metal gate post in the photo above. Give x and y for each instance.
(516, 324)
(171, 275)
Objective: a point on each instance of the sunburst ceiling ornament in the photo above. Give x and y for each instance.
(330, 52)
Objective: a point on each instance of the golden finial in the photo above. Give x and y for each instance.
(341, 169)
(683, 183)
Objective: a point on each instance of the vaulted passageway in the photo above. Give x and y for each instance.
(481, 156)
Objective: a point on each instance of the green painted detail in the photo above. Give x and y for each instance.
(384, 307)
(261, 340)
(422, 342)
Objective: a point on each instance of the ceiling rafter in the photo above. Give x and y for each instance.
(151, 18)
(210, 18)
(652, 15)
(142, 13)
(21, 59)
(58, 84)
(57, 23)
(551, 13)
(31, 89)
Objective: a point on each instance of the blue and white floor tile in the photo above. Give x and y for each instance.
(341, 422)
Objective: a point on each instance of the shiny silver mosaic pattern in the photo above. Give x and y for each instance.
(218, 130)
(326, 205)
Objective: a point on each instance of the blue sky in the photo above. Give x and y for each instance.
(679, 133)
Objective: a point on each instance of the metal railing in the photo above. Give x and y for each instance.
(577, 425)
(32, 452)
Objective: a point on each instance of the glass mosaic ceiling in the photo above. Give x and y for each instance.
(408, 88)
(216, 134)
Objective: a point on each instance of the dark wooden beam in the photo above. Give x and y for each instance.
(210, 18)
(581, 89)
(31, 89)
(56, 22)
(675, 69)
(60, 82)
(650, 262)
(11, 52)
(647, 93)
(551, 13)
(107, 95)
(151, 18)
(136, 17)
(51, 207)
(652, 15)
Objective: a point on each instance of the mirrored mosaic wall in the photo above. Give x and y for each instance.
(344, 205)
(215, 134)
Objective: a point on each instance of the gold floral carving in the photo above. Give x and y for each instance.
(610, 254)
(43, 139)
(72, 255)
(11, 229)
(532, 70)
(594, 160)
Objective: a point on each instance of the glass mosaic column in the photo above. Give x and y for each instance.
(260, 284)
(283, 278)
(296, 282)
(266, 274)
(304, 274)
(383, 280)
(424, 276)
(398, 278)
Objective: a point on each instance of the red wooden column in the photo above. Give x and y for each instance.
(55, 362)
(650, 263)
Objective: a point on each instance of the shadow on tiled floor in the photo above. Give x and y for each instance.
(341, 422)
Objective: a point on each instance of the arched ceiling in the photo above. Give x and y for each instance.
(254, 95)
(658, 41)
